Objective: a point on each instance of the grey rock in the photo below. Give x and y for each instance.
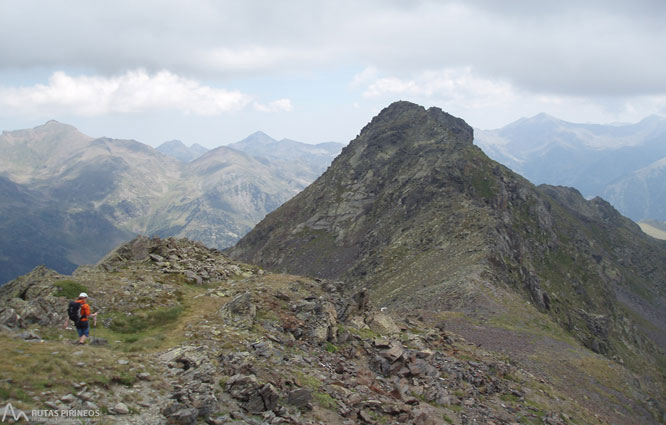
(69, 398)
(300, 397)
(240, 311)
(86, 396)
(187, 416)
(270, 396)
(382, 324)
(120, 409)
(29, 336)
(156, 258)
(242, 387)
(419, 367)
(51, 404)
(193, 277)
(254, 398)
(394, 353)
(426, 415)
(186, 357)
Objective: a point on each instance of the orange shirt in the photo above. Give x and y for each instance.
(85, 310)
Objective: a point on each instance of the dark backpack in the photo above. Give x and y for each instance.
(74, 311)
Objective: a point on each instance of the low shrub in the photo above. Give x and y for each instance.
(145, 320)
(69, 288)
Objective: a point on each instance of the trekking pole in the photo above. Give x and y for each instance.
(92, 331)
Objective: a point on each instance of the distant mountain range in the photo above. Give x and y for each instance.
(625, 163)
(310, 160)
(67, 198)
(178, 150)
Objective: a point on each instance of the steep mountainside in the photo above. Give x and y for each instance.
(218, 198)
(69, 198)
(178, 150)
(185, 335)
(613, 161)
(34, 232)
(416, 213)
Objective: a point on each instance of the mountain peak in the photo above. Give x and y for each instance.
(542, 116)
(53, 125)
(408, 122)
(180, 151)
(172, 144)
(257, 138)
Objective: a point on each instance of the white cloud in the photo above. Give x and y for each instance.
(256, 58)
(368, 74)
(538, 46)
(492, 102)
(455, 84)
(131, 92)
(280, 105)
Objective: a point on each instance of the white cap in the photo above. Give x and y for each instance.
(83, 295)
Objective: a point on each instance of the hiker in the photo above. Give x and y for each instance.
(79, 312)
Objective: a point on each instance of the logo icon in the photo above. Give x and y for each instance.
(15, 414)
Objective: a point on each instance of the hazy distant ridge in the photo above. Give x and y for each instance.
(625, 164)
(68, 198)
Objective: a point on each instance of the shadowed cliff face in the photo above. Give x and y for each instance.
(414, 211)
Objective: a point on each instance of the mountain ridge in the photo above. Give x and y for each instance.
(418, 215)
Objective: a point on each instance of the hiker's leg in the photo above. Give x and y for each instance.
(83, 334)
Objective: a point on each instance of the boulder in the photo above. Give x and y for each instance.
(120, 409)
(382, 323)
(254, 397)
(394, 353)
(270, 396)
(426, 415)
(29, 335)
(240, 311)
(192, 277)
(187, 416)
(299, 398)
(187, 357)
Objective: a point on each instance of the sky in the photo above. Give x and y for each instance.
(212, 72)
